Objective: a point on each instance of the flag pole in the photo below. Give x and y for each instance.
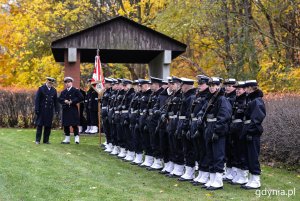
(99, 109)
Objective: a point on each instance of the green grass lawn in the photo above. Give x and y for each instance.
(85, 172)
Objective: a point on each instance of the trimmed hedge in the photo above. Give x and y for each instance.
(280, 140)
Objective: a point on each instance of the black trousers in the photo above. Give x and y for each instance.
(164, 145)
(137, 141)
(39, 130)
(216, 154)
(189, 152)
(145, 135)
(253, 150)
(67, 130)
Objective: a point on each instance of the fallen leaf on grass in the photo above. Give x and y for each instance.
(28, 151)
(68, 153)
(161, 191)
(19, 130)
(208, 194)
(118, 173)
(175, 185)
(93, 187)
(298, 176)
(45, 150)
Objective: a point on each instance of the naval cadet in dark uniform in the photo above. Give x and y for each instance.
(112, 129)
(124, 119)
(255, 113)
(70, 114)
(92, 106)
(196, 135)
(184, 153)
(172, 116)
(104, 111)
(216, 115)
(152, 122)
(117, 117)
(144, 100)
(45, 105)
(161, 109)
(238, 142)
(230, 94)
(132, 120)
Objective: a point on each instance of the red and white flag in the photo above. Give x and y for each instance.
(98, 73)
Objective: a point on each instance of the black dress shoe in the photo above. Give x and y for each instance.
(203, 186)
(65, 142)
(163, 172)
(172, 175)
(196, 184)
(46, 143)
(183, 179)
(248, 187)
(211, 188)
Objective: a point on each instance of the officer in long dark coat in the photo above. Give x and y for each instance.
(216, 116)
(70, 114)
(255, 113)
(45, 104)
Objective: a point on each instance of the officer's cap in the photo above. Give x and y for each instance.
(202, 79)
(50, 79)
(187, 81)
(251, 83)
(229, 81)
(164, 82)
(68, 79)
(239, 84)
(126, 81)
(214, 80)
(119, 80)
(169, 79)
(143, 81)
(135, 82)
(155, 80)
(108, 80)
(176, 79)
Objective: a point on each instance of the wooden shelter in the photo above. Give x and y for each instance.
(120, 40)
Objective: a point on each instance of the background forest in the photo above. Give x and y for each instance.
(244, 39)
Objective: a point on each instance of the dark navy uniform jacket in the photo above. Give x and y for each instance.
(185, 108)
(255, 112)
(126, 103)
(70, 115)
(160, 102)
(92, 103)
(221, 110)
(238, 112)
(231, 97)
(45, 104)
